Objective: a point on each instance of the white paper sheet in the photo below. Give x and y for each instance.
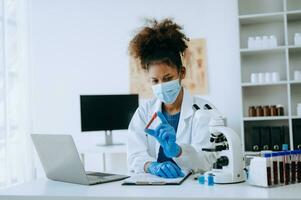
(146, 178)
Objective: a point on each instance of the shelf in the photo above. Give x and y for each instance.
(295, 82)
(266, 118)
(296, 117)
(292, 12)
(275, 49)
(261, 18)
(263, 84)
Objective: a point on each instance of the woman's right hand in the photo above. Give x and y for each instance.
(165, 134)
(165, 170)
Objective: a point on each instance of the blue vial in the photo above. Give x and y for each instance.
(201, 179)
(284, 147)
(210, 180)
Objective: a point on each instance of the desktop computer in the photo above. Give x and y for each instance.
(107, 113)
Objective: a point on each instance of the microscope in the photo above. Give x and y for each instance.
(229, 166)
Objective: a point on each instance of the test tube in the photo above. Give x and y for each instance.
(299, 167)
(269, 170)
(287, 167)
(275, 156)
(294, 159)
(151, 121)
(281, 167)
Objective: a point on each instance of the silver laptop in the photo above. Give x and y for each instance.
(61, 162)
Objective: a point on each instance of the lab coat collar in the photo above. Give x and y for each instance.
(186, 107)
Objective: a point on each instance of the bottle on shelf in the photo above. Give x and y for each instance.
(297, 39)
(273, 41)
(251, 42)
(273, 109)
(261, 78)
(280, 110)
(299, 109)
(257, 43)
(252, 111)
(259, 111)
(266, 111)
(297, 75)
(275, 77)
(268, 77)
(265, 42)
(254, 77)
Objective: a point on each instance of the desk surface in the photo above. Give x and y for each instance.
(190, 189)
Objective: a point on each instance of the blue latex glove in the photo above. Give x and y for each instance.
(165, 170)
(166, 136)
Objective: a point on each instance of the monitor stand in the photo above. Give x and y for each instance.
(109, 140)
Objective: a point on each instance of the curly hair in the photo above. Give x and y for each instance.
(159, 42)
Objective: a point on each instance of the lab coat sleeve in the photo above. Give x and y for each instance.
(137, 145)
(192, 156)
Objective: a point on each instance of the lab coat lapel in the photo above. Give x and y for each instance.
(186, 113)
(157, 107)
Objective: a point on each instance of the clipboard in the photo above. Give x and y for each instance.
(149, 179)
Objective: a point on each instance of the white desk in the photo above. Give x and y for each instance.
(190, 189)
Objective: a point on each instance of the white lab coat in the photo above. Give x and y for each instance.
(192, 135)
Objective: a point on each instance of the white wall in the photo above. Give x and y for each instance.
(80, 47)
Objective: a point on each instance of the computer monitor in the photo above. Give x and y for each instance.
(107, 113)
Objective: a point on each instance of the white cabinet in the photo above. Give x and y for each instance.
(260, 18)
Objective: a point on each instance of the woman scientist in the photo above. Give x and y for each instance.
(176, 144)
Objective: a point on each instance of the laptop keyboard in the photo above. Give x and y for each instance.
(99, 174)
(98, 177)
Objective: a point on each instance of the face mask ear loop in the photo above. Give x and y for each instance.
(180, 77)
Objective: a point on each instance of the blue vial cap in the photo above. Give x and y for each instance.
(295, 152)
(210, 180)
(267, 155)
(274, 154)
(282, 153)
(201, 179)
(284, 147)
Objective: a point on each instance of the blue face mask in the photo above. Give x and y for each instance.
(167, 92)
